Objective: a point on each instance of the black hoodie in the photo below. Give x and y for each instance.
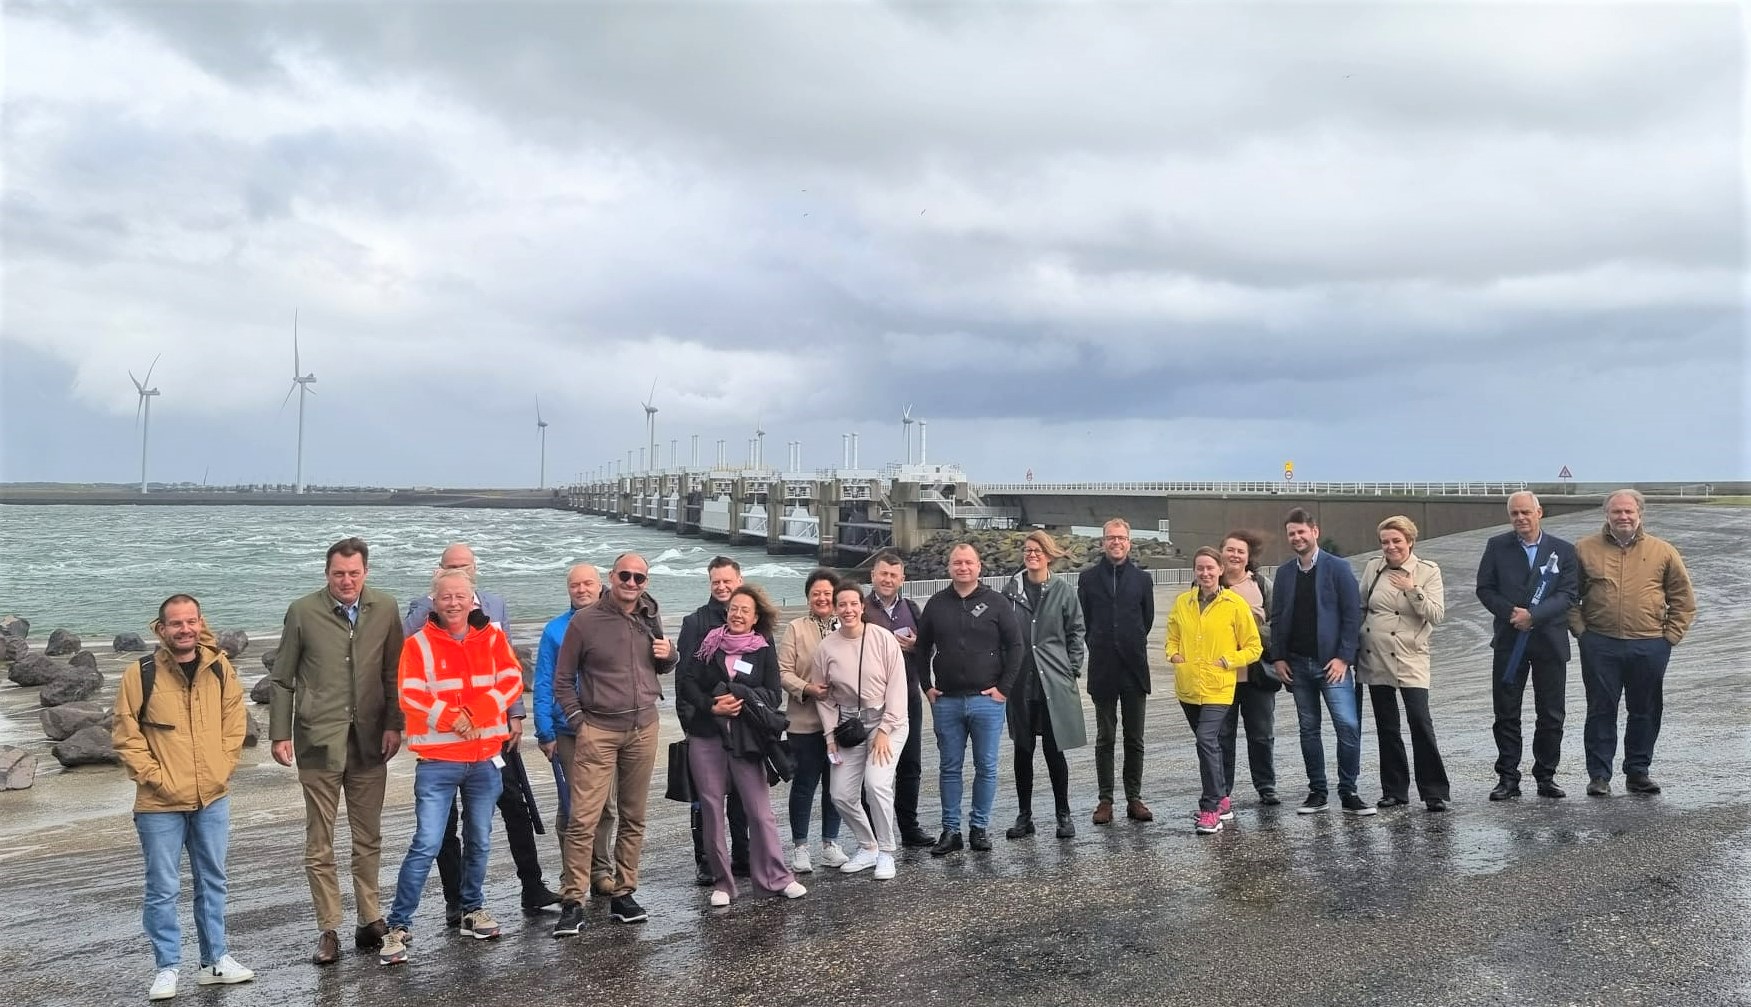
(971, 643)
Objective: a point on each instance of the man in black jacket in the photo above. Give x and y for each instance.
(726, 575)
(1118, 607)
(885, 608)
(1506, 579)
(971, 652)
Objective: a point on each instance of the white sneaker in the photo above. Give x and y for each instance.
(799, 860)
(163, 985)
(225, 971)
(862, 860)
(884, 870)
(720, 899)
(794, 890)
(832, 855)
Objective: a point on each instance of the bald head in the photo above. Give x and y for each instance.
(1526, 515)
(459, 557)
(584, 585)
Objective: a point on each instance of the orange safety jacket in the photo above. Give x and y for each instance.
(441, 676)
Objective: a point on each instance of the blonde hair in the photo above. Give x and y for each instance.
(443, 574)
(1048, 545)
(1117, 522)
(1401, 524)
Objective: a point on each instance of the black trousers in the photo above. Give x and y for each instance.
(1549, 677)
(519, 833)
(909, 774)
(1057, 767)
(1107, 713)
(1395, 770)
(1257, 707)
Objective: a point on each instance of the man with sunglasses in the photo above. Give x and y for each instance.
(605, 680)
(519, 823)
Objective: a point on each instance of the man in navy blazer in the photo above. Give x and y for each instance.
(1506, 578)
(1316, 623)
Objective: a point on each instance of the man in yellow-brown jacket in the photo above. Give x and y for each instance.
(1636, 605)
(179, 726)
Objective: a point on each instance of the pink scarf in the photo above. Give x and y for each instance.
(732, 644)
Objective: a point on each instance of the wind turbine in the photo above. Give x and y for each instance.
(300, 384)
(144, 408)
(759, 445)
(541, 426)
(906, 422)
(650, 422)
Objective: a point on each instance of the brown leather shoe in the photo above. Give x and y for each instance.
(1103, 812)
(1137, 811)
(327, 949)
(370, 936)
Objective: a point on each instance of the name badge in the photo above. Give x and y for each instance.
(742, 667)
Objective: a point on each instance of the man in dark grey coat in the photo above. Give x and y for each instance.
(1118, 606)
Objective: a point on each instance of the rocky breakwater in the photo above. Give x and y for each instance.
(1000, 553)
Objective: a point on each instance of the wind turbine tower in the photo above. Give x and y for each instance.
(143, 411)
(541, 428)
(650, 423)
(301, 384)
(906, 422)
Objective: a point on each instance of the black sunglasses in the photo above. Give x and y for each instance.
(630, 577)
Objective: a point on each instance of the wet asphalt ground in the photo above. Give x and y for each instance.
(1625, 901)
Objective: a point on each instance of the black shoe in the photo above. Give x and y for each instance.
(452, 916)
(625, 910)
(1354, 805)
(1066, 825)
(537, 897)
(1390, 802)
(978, 839)
(1314, 804)
(1269, 798)
(703, 877)
(1640, 783)
(1436, 804)
(1505, 788)
(1024, 826)
(946, 843)
(1548, 788)
(1598, 786)
(571, 920)
(916, 838)
(370, 936)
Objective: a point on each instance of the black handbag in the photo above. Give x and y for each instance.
(680, 786)
(849, 733)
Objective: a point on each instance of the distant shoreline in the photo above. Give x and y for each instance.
(109, 496)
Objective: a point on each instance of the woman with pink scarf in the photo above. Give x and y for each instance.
(740, 652)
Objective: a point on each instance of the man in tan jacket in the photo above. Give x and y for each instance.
(179, 726)
(335, 714)
(1636, 605)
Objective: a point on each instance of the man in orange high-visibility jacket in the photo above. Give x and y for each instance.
(458, 677)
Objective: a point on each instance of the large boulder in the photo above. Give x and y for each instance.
(233, 642)
(83, 659)
(526, 659)
(130, 643)
(13, 625)
(72, 685)
(90, 746)
(12, 648)
(268, 656)
(33, 670)
(251, 733)
(17, 768)
(262, 692)
(64, 721)
(61, 643)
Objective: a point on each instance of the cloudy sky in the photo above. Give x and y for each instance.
(1388, 241)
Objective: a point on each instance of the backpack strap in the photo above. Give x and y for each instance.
(149, 677)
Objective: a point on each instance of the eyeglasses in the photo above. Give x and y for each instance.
(1117, 538)
(1033, 552)
(630, 577)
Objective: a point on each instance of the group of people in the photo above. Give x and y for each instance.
(833, 701)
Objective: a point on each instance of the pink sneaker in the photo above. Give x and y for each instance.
(1225, 810)
(1208, 823)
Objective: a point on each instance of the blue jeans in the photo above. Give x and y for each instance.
(1309, 684)
(435, 785)
(163, 837)
(955, 719)
(1636, 671)
(813, 773)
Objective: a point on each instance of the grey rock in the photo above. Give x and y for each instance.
(233, 642)
(61, 643)
(268, 657)
(72, 685)
(262, 692)
(83, 659)
(17, 768)
(12, 648)
(64, 721)
(526, 658)
(13, 625)
(251, 733)
(33, 670)
(90, 746)
(130, 643)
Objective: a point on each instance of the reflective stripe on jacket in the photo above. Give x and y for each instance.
(442, 676)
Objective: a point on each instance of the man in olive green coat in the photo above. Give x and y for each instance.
(335, 711)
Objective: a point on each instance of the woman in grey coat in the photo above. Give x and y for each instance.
(1046, 704)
